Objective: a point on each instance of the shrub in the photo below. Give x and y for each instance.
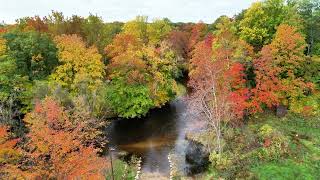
(275, 144)
(308, 106)
(122, 170)
(220, 161)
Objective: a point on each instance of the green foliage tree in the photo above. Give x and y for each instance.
(129, 100)
(213, 27)
(149, 33)
(311, 70)
(35, 54)
(260, 21)
(309, 11)
(12, 86)
(95, 32)
(56, 23)
(140, 75)
(158, 30)
(24, 57)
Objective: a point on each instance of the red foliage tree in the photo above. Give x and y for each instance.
(267, 82)
(197, 34)
(184, 41)
(37, 24)
(179, 42)
(238, 96)
(218, 84)
(278, 71)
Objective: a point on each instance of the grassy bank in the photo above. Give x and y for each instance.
(268, 147)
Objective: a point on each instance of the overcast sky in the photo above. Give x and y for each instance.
(124, 10)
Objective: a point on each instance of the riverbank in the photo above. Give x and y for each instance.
(268, 147)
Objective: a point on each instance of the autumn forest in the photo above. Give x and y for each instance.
(250, 85)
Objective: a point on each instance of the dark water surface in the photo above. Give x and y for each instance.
(153, 137)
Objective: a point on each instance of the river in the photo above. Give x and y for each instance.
(153, 137)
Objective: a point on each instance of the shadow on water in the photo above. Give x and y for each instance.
(152, 137)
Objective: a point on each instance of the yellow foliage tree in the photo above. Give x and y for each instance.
(79, 65)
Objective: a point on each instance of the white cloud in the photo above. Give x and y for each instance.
(123, 10)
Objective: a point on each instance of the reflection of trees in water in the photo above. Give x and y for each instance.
(162, 122)
(152, 137)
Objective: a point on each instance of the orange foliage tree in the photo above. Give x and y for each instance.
(279, 77)
(55, 146)
(10, 156)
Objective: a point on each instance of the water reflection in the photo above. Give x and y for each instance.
(152, 137)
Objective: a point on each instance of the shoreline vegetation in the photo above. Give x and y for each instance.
(251, 83)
